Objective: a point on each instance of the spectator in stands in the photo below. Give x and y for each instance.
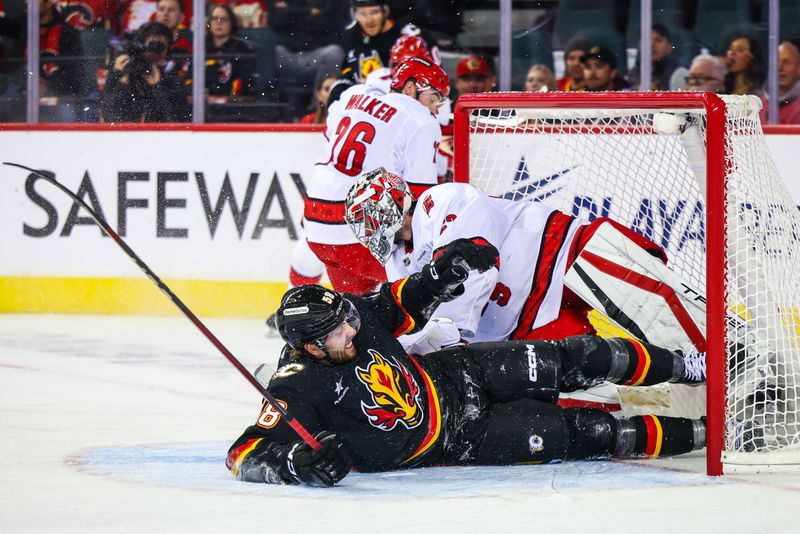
(230, 60)
(308, 33)
(667, 72)
(746, 68)
(170, 14)
(574, 51)
(788, 83)
(707, 73)
(321, 94)
(60, 78)
(138, 87)
(540, 79)
(600, 71)
(474, 75)
(367, 42)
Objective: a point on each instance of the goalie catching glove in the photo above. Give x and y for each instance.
(324, 467)
(444, 276)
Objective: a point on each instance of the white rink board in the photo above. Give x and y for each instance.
(175, 226)
(237, 254)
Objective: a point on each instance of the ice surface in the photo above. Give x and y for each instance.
(120, 424)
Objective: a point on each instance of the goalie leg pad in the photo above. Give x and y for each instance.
(615, 275)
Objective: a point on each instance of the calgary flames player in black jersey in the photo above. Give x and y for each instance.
(374, 407)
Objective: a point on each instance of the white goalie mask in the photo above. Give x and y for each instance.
(375, 208)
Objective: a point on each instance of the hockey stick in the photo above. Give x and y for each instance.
(296, 426)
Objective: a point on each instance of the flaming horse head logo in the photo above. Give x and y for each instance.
(394, 391)
(369, 64)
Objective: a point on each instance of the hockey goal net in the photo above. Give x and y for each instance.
(692, 172)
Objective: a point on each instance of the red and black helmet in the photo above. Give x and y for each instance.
(425, 73)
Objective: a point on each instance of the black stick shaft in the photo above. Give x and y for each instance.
(296, 426)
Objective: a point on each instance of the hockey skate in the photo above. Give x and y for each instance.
(694, 368)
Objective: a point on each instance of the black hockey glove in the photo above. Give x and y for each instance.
(444, 276)
(322, 468)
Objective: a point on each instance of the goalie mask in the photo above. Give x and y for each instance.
(309, 313)
(375, 208)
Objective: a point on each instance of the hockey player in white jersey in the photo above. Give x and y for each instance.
(554, 268)
(365, 130)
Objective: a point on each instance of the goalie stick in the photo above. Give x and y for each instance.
(291, 421)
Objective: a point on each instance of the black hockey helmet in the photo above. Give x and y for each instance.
(309, 313)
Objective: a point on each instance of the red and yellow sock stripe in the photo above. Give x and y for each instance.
(655, 436)
(643, 362)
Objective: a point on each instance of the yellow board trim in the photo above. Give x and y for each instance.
(138, 296)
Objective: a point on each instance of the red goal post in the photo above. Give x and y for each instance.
(620, 145)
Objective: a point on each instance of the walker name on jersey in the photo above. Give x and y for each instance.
(262, 204)
(372, 106)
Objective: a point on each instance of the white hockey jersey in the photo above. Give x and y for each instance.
(534, 242)
(367, 130)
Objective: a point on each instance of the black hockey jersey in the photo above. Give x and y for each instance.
(365, 54)
(382, 404)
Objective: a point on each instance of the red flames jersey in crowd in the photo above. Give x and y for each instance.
(534, 241)
(366, 130)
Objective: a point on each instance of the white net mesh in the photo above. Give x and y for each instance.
(635, 166)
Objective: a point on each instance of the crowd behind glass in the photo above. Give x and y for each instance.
(274, 61)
